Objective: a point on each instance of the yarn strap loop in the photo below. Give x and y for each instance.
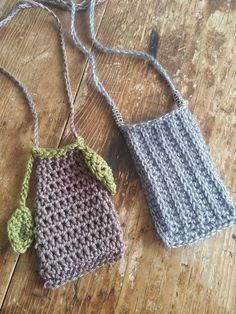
(27, 4)
(66, 4)
(179, 100)
(131, 53)
(29, 101)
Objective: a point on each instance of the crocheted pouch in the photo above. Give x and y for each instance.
(76, 227)
(186, 196)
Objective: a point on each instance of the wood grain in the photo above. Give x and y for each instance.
(197, 46)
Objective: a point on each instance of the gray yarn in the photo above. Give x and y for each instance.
(145, 56)
(116, 114)
(187, 198)
(133, 53)
(72, 7)
(66, 4)
(29, 102)
(92, 62)
(27, 4)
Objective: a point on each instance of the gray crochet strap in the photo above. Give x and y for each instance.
(73, 8)
(132, 53)
(67, 4)
(32, 4)
(92, 61)
(29, 102)
(142, 55)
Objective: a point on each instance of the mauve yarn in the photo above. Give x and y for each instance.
(76, 225)
(77, 228)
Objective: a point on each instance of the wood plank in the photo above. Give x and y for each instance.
(30, 50)
(196, 46)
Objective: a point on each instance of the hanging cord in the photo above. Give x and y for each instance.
(66, 4)
(73, 8)
(133, 53)
(116, 114)
(29, 102)
(27, 4)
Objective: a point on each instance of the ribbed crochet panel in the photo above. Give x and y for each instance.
(187, 198)
(77, 228)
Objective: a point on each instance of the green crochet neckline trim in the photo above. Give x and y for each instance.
(43, 153)
(95, 163)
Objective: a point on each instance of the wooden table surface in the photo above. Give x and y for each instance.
(198, 48)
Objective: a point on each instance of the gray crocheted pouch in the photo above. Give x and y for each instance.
(186, 196)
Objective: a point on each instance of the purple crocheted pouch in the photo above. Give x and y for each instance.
(76, 225)
(76, 228)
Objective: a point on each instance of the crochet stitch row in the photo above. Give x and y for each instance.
(20, 226)
(95, 163)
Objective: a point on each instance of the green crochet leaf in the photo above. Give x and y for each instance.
(99, 168)
(20, 229)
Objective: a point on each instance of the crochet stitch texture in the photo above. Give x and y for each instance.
(76, 225)
(187, 198)
(20, 225)
(95, 163)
